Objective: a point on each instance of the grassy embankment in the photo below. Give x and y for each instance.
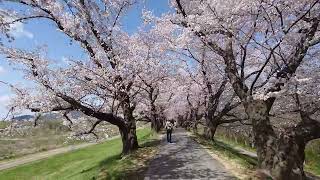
(101, 161)
(312, 162)
(48, 135)
(3, 124)
(226, 145)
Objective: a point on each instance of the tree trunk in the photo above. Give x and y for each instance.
(210, 129)
(291, 146)
(128, 133)
(155, 124)
(264, 135)
(155, 121)
(195, 127)
(289, 158)
(281, 157)
(129, 140)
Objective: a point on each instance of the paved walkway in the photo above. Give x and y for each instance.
(185, 159)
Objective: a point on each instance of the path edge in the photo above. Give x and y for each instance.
(229, 165)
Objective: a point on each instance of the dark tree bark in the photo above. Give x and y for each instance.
(129, 139)
(128, 133)
(264, 135)
(212, 121)
(156, 124)
(154, 117)
(210, 129)
(282, 155)
(288, 158)
(195, 126)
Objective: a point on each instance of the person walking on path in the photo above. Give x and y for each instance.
(169, 127)
(185, 160)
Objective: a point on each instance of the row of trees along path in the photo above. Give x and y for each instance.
(211, 62)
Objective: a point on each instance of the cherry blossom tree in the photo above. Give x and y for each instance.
(101, 86)
(217, 96)
(153, 74)
(196, 104)
(262, 44)
(204, 85)
(202, 61)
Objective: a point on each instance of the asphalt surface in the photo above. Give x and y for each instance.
(185, 159)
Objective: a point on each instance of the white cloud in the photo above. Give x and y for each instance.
(17, 30)
(64, 59)
(2, 70)
(4, 100)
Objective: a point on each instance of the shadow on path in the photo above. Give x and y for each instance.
(185, 159)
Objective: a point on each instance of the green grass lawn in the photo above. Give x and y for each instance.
(313, 157)
(94, 162)
(3, 124)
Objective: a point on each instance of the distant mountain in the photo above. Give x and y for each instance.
(23, 117)
(55, 116)
(76, 114)
(49, 116)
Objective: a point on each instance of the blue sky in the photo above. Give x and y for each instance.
(40, 32)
